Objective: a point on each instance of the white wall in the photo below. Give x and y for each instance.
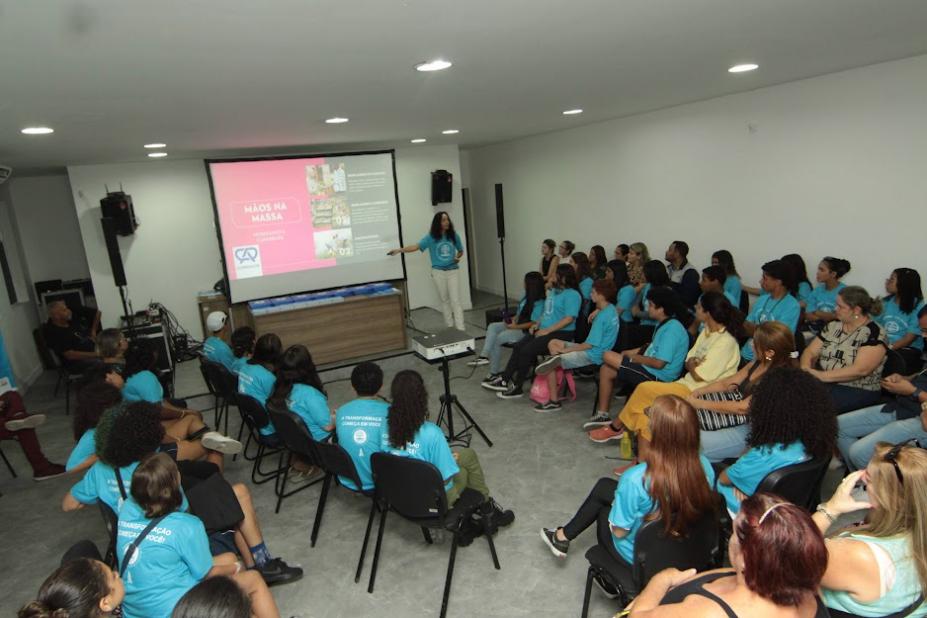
(175, 253)
(48, 227)
(833, 165)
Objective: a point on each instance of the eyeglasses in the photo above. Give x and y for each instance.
(892, 456)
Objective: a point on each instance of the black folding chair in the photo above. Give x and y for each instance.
(298, 441)
(110, 520)
(222, 384)
(254, 417)
(9, 466)
(66, 377)
(799, 483)
(414, 489)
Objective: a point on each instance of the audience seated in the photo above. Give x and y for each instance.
(597, 261)
(242, 342)
(299, 389)
(549, 260)
(82, 588)
(558, 321)
(899, 316)
(879, 568)
(256, 376)
(662, 360)
(849, 353)
(732, 285)
(215, 348)
(822, 302)
(638, 255)
(112, 346)
(713, 278)
(214, 597)
(714, 356)
(683, 275)
(93, 400)
(723, 406)
(527, 315)
(361, 423)
(776, 303)
(617, 272)
(799, 285)
(584, 274)
(641, 331)
(568, 355)
(791, 420)
(621, 252)
(777, 557)
(72, 337)
(17, 425)
(565, 252)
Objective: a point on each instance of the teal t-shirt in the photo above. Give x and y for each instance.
(751, 468)
(627, 296)
(804, 291)
(633, 503)
(585, 288)
(537, 310)
(311, 406)
(897, 323)
(362, 431)
(218, 351)
(822, 299)
(257, 382)
(173, 558)
(602, 333)
(670, 344)
(732, 289)
(560, 304)
(442, 251)
(143, 386)
(100, 484)
(429, 444)
(768, 309)
(85, 447)
(646, 320)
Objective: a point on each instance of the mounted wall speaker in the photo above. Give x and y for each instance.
(442, 185)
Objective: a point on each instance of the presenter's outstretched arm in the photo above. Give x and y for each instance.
(406, 249)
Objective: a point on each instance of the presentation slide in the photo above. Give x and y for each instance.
(291, 225)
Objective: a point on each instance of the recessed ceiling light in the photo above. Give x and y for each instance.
(451, 132)
(157, 155)
(336, 120)
(743, 68)
(37, 130)
(433, 65)
(156, 145)
(572, 112)
(419, 140)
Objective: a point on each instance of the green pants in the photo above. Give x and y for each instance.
(470, 475)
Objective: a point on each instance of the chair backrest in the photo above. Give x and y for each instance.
(411, 487)
(654, 551)
(894, 363)
(335, 460)
(110, 520)
(252, 412)
(582, 321)
(294, 434)
(208, 376)
(799, 483)
(744, 302)
(219, 378)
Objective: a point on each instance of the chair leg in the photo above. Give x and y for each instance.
(363, 554)
(67, 397)
(8, 464)
(450, 574)
(376, 551)
(281, 485)
(320, 508)
(57, 384)
(587, 593)
(492, 549)
(427, 534)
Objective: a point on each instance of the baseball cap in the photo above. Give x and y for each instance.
(215, 321)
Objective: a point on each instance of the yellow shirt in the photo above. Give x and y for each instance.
(720, 356)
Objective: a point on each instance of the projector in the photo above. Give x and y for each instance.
(448, 342)
(5, 172)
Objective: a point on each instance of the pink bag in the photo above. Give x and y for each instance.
(539, 392)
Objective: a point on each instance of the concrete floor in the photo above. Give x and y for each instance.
(541, 466)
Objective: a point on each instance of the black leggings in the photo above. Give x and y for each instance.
(525, 355)
(594, 510)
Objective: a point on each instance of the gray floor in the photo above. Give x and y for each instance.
(541, 466)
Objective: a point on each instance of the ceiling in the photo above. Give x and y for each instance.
(214, 77)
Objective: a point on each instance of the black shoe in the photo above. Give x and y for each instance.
(512, 392)
(277, 571)
(498, 383)
(469, 530)
(550, 406)
(494, 515)
(557, 547)
(49, 471)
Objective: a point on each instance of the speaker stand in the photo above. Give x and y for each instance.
(505, 288)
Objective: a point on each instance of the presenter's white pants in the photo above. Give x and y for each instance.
(447, 284)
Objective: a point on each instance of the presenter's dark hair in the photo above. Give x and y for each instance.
(838, 266)
(242, 340)
(156, 485)
(74, 590)
(214, 597)
(715, 273)
(582, 265)
(724, 313)
(295, 367)
(597, 255)
(619, 273)
(367, 379)
(566, 277)
(128, 432)
(142, 355)
(655, 273)
(725, 261)
(669, 301)
(682, 248)
(267, 350)
(436, 231)
(910, 293)
(606, 288)
(409, 409)
(534, 293)
(92, 401)
(796, 264)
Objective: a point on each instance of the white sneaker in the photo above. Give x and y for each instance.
(479, 361)
(215, 441)
(27, 422)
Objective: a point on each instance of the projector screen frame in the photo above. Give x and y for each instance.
(215, 211)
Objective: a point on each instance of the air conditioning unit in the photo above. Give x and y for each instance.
(5, 171)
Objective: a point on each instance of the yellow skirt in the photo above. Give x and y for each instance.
(633, 416)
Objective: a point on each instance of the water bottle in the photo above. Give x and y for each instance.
(625, 451)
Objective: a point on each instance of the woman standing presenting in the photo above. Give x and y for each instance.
(444, 247)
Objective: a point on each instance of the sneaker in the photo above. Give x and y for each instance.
(26, 422)
(49, 471)
(546, 366)
(607, 589)
(479, 361)
(500, 384)
(605, 434)
(299, 477)
(277, 571)
(550, 406)
(499, 517)
(215, 441)
(597, 420)
(557, 547)
(491, 377)
(512, 392)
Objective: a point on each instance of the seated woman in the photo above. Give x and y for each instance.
(879, 568)
(712, 280)
(778, 559)
(791, 421)
(549, 260)
(662, 360)
(714, 356)
(299, 389)
(638, 255)
(557, 322)
(822, 302)
(565, 252)
(776, 303)
(92, 401)
(410, 434)
(621, 252)
(160, 567)
(597, 261)
(242, 343)
(848, 355)
(568, 355)
(256, 376)
(800, 286)
(641, 331)
(527, 314)
(82, 588)
(732, 284)
(672, 479)
(584, 274)
(723, 405)
(112, 346)
(899, 316)
(214, 597)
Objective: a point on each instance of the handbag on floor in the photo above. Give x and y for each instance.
(540, 393)
(709, 420)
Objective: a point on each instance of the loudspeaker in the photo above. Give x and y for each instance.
(500, 215)
(112, 248)
(118, 206)
(442, 183)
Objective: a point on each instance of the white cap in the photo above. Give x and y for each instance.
(215, 321)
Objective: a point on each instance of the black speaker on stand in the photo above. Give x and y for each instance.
(500, 232)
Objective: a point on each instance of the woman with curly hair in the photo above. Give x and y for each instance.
(411, 434)
(791, 420)
(92, 401)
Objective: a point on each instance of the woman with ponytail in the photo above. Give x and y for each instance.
(81, 588)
